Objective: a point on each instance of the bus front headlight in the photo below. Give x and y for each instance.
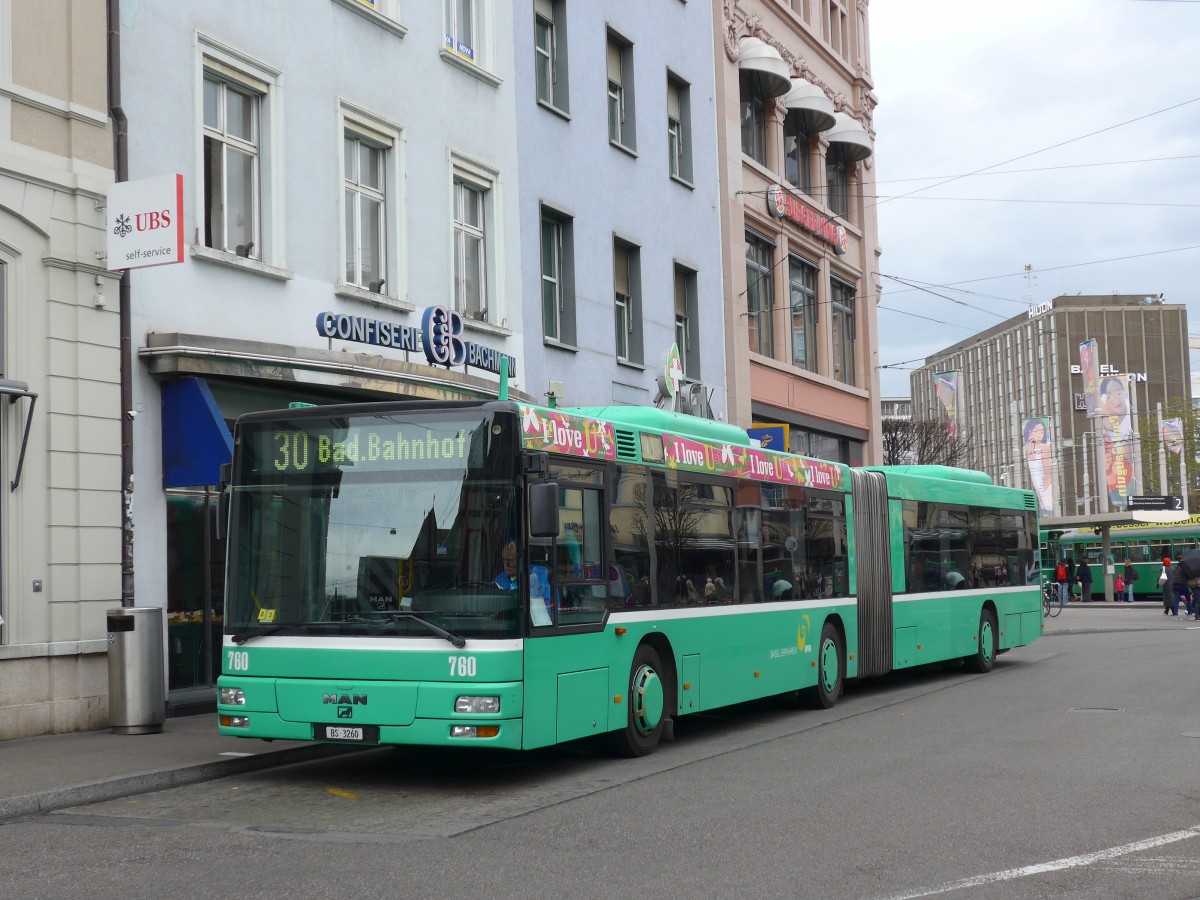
(477, 705)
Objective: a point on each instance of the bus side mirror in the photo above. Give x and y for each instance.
(543, 510)
(223, 503)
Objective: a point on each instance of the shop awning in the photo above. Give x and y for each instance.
(766, 66)
(809, 102)
(853, 139)
(15, 390)
(195, 439)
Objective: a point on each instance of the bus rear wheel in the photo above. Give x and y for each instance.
(828, 688)
(984, 656)
(646, 709)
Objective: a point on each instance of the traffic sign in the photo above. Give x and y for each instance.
(1142, 504)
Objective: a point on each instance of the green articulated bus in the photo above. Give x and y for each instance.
(1144, 545)
(499, 574)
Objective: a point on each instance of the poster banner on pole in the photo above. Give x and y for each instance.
(1039, 458)
(1172, 435)
(1089, 368)
(945, 384)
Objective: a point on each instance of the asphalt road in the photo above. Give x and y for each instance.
(1071, 770)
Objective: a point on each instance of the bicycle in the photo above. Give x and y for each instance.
(1051, 600)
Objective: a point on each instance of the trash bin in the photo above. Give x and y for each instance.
(137, 700)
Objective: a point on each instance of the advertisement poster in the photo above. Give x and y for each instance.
(1089, 367)
(945, 384)
(1039, 458)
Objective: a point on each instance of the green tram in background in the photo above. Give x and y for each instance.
(499, 574)
(1144, 545)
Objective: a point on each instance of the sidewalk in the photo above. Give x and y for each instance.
(55, 771)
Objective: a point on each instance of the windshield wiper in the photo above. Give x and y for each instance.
(456, 639)
(242, 636)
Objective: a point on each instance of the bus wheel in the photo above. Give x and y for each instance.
(985, 654)
(829, 670)
(646, 709)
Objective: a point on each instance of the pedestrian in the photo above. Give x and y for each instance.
(1130, 578)
(1084, 574)
(1070, 575)
(1060, 578)
(1165, 585)
(1180, 587)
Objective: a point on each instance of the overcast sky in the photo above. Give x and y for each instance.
(999, 85)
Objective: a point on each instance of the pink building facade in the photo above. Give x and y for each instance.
(800, 235)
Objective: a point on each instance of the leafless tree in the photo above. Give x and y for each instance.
(923, 442)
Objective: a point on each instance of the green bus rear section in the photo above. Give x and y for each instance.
(575, 686)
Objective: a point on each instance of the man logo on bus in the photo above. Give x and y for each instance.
(344, 699)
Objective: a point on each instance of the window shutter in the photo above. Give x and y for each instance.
(621, 270)
(673, 101)
(614, 62)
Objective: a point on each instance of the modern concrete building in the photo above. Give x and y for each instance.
(60, 502)
(620, 240)
(1026, 370)
(344, 170)
(794, 140)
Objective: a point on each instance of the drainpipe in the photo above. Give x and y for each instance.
(121, 167)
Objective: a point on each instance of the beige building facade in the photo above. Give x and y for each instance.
(60, 450)
(1019, 399)
(795, 146)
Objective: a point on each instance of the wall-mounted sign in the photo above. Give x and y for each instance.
(770, 436)
(1037, 309)
(1105, 369)
(145, 222)
(440, 337)
(783, 205)
(670, 376)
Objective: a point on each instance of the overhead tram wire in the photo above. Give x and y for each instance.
(1042, 150)
(1116, 162)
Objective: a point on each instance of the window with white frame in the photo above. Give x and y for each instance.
(759, 290)
(687, 322)
(620, 93)
(558, 277)
(679, 127)
(627, 301)
(841, 308)
(550, 53)
(232, 145)
(465, 23)
(365, 210)
(470, 248)
(382, 12)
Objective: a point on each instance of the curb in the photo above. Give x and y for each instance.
(46, 801)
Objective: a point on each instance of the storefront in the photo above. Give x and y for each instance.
(205, 383)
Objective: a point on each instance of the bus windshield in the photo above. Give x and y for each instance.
(365, 525)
